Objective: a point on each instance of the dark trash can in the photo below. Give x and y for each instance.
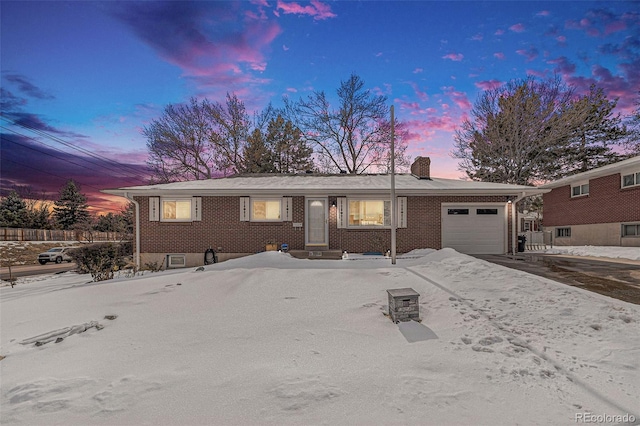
(210, 256)
(521, 240)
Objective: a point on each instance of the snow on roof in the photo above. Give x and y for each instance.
(607, 170)
(310, 184)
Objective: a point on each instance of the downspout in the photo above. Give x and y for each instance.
(137, 226)
(514, 237)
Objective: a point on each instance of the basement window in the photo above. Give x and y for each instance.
(631, 230)
(563, 232)
(176, 261)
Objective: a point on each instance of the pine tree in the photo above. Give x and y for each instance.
(70, 209)
(13, 211)
(290, 152)
(257, 157)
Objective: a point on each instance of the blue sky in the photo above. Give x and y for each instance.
(86, 77)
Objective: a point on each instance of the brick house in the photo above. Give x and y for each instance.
(597, 207)
(239, 215)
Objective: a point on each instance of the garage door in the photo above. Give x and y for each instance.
(474, 229)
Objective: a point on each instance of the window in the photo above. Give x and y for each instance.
(631, 179)
(563, 232)
(266, 210)
(580, 190)
(369, 213)
(176, 210)
(486, 211)
(632, 230)
(176, 261)
(459, 211)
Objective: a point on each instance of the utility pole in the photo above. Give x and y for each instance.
(394, 219)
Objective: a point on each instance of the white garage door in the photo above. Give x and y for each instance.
(474, 228)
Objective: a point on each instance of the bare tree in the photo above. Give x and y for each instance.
(198, 140)
(525, 132)
(354, 137)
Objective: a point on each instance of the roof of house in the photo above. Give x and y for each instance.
(607, 170)
(314, 184)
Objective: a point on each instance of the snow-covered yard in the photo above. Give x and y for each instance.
(269, 339)
(632, 253)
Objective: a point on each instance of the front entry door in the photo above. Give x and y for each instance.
(317, 222)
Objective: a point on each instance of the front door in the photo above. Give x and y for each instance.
(317, 222)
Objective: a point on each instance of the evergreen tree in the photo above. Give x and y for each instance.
(257, 157)
(289, 152)
(70, 209)
(13, 211)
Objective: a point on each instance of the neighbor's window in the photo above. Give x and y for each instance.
(631, 230)
(369, 213)
(265, 210)
(176, 210)
(563, 232)
(631, 179)
(578, 190)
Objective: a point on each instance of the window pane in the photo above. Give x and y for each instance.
(627, 180)
(585, 189)
(630, 230)
(575, 191)
(266, 209)
(486, 211)
(458, 211)
(367, 213)
(176, 210)
(638, 178)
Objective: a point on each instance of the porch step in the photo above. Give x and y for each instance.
(316, 254)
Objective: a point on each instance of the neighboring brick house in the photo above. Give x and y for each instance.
(598, 207)
(314, 212)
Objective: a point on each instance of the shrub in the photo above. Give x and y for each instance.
(101, 260)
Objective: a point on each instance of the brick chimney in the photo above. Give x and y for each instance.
(421, 168)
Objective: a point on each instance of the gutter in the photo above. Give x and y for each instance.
(135, 203)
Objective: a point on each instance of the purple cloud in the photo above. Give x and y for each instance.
(531, 53)
(488, 84)
(498, 55)
(456, 57)
(225, 50)
(563, 66)
(317, 9)
(543, 13)
(517, 28)
(26, 87)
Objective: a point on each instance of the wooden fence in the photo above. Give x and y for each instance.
(23, 234)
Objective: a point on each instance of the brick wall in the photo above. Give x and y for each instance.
(607, 202)
(222, 230)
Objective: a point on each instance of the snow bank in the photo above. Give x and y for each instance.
(269, 339)
(632, 253)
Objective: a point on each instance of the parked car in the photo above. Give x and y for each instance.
(56, 254)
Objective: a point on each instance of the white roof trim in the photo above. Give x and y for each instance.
(607, 170)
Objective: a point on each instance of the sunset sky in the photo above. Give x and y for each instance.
(80, 80)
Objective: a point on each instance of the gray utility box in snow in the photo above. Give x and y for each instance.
(403, 304)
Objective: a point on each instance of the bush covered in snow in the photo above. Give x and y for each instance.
(103, 259)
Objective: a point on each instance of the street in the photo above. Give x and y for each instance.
(27, 270)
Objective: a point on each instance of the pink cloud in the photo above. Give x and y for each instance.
(536, 73)
(517, 28)
(457, 57)
(499, 32)
(543, 13)
(458, 98)
(563, 66)
(614, 27)
(531, 53)
(423, 96)
(317, 9)
(561, 39)
(477, 37)
(488, 84)
(499, 55)
(418, 70)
